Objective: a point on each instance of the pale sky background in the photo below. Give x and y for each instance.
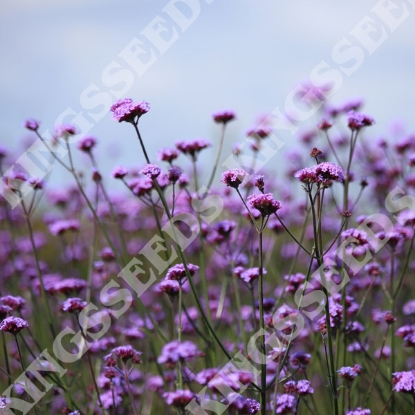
(242, 54)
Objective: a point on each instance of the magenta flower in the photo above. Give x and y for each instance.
(86, 144)
(129, 111)
(234, 177)
(285, 404)
(251, 274)
(62, 226)
(124, 353)
(31, 124)
(174, 351)
(192, 148)
(178, 272)
(224, 117)
(321, 173)
(357, 120)
(65, 130)
(259, 182)
(141, 186)
(66, 286)
(73, 305)
(179, 398)
(13, 325)
(359, 411)
(404, 381)
(151, 171)
(324, 125)
(304, 388)
(168, 154)
(170, 287)
(264, 203)
(241, 405)
(119, 172)
(348, 373)
(16, 303)
(259, 132)
(174, 174)
(330, 171)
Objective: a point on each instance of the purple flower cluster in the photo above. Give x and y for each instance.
(129, 111)
(264, 203)
(174, 351)
(13, 325)
(323, 173)
(404, 381)
(234, 177)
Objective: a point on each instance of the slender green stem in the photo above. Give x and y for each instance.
(262, 327)
(6, 358)
(377, 367)
(38, 270)
(179, 335)
(392, 306)
(91, 369)
(215, 165)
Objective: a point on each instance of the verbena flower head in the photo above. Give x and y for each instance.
(320, 173)
(151, 171)
(168, 154)
(193, 147)
(174, 174)
(259, 132)
(31, 124)
(141, 186)
(357, 120)
(15, 303)
(178, 272)
(224, 117)
(330, 171)
(251, 274)
(259, 182)
(241, 405)
(404, 381)
(62, 226)
(124, 353)
(304, 388)
(234, 177)
(65, 130)
(86, 144)
(174, 351)
(73, 305)
(264, 203)
(119, 172)
(285, 404)
(179, 398)
(66, 286)
(349, 373)
(324, 125)
(13, 325)
(129, 111)
(359, 411)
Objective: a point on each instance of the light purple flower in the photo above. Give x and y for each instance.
(264, 203)
(234, 177)
(119, 172)
(151, 171)
(223, 117)
(404, 381)
(129, 111)
(13, 325)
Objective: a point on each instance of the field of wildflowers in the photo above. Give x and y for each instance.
(253, 294)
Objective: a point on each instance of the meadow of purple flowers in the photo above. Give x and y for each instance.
(186, 295)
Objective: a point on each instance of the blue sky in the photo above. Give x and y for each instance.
(242, 55)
